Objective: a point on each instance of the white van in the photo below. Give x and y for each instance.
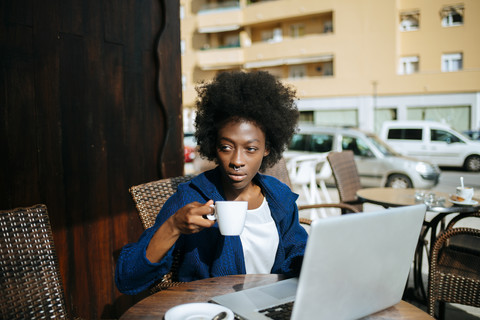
(432, 141)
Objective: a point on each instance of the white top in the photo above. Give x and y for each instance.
(259, 240)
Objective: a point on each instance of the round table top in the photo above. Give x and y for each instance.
(156, 305)
(392, 197)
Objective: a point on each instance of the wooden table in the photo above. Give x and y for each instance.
(390, 197)
(156, 305)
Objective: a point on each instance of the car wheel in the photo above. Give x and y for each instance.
(472, 163)
(399, 181)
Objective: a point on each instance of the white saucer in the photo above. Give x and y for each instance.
(465, 203)
(197, 311)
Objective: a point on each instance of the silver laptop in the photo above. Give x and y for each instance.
(354, 265)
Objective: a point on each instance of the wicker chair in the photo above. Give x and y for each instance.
(150, 197)
(454, 275)
(31, 286)
(279, 171)
(347, 179)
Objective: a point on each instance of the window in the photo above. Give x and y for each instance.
(182, 12)
(182, 47)
(405, 134)
(321, 143)
(408, 65)
(297, 30)
(314, 143)
(297, 71)
(452, 15)
(274, 35)
(409, 20)
(442, 135)
(358, 146)
(328, 26)
(232, 41)
(452, 62)
(336, 117)
(306, 116)
(299, 142)
(184, 82)
(328, 68)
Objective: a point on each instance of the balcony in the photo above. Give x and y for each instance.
(310, 87)
(267, 11)
(220, 58)
(220, 17)
(219, 6)
(307, 49)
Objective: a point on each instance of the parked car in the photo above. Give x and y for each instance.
(432, 141)
(472, 134)
(378, 164)
(195, 163)
(189, 146)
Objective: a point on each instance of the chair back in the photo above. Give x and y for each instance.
(150, 197)
(31, 285)
(346, 177)
(303, 171)
(453, 275)
(325, 171)
(279, 171)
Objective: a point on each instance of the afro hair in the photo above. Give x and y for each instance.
(251, 96)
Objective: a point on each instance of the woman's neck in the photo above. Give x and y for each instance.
(252, 194)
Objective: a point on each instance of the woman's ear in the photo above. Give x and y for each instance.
(266, 152)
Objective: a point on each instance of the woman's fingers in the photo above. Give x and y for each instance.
(190, 218)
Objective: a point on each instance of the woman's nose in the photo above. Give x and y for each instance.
(237, 159)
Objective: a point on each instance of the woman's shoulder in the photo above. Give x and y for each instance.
(272, 181)
(204, 185)
(276, 187)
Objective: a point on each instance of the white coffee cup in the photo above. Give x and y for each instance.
(230, 216)
(464, 194)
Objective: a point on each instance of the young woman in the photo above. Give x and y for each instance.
(244, 123)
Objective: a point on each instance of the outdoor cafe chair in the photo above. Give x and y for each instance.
(303, 173)
(454, 274)
(346, 178)
(31, 285)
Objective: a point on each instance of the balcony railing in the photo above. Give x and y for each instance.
(226, 46)
(226, 5)
(249, 2)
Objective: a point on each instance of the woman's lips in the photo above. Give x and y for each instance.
(237, 176)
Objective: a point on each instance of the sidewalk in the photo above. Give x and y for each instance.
(453, 311)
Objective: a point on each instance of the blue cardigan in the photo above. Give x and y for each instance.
(207, 253)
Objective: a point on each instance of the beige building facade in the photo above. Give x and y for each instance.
(353, 62)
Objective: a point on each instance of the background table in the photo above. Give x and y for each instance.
(155, 306)
(392, 197)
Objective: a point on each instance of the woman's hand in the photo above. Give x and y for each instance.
(191, 218)
(187, 220)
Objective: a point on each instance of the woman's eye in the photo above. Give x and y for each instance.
(251, 149)
(224, 148)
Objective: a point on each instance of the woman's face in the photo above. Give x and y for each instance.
(240, 151)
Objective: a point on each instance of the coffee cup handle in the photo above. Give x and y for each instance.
(212, 216)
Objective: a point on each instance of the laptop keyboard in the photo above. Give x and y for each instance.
(280, 312)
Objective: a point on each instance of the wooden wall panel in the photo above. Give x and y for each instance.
(90, 104)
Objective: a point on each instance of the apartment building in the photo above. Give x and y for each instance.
(353, 62)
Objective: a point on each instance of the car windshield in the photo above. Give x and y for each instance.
(384, 148)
